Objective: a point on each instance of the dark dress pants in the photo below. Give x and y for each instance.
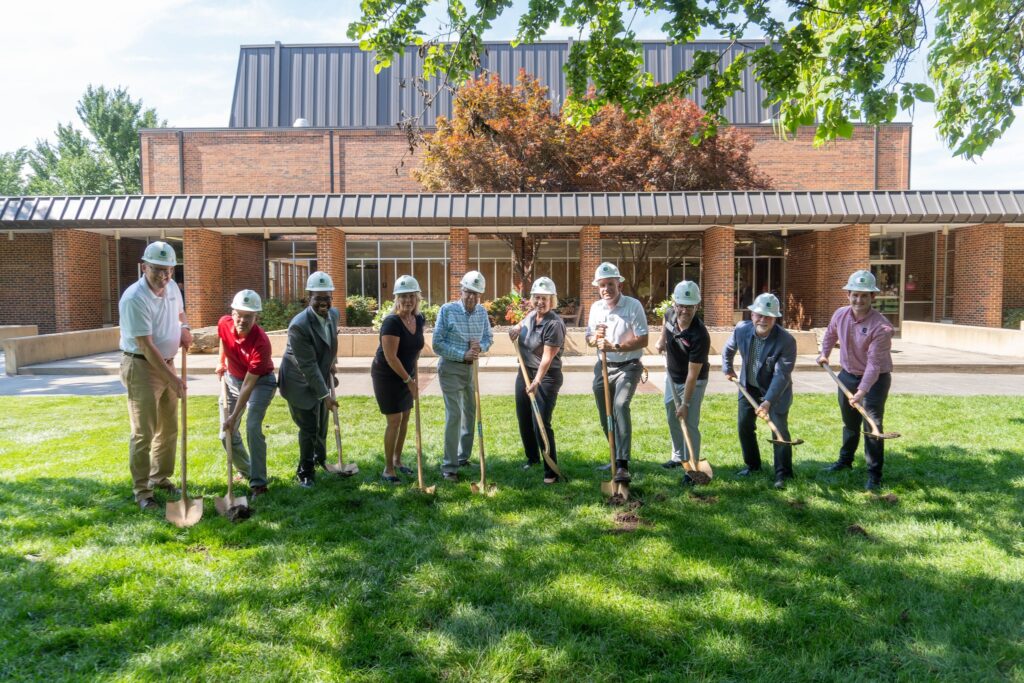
(854, 423)
(547, 396)
(747, 427)
(312, 424)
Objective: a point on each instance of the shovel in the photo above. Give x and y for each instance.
(481, 487)
(771, 425)
(875, 433)
(699, 471)
(537, 415)
(429, 490)
(611, 488)
(187, 511)
(226, 505)
(341, 468)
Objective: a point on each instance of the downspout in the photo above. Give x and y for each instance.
(875, 184)
(330, 138)
(275, 87)
(181, 162)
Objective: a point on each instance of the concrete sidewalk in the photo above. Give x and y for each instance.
(918, 369)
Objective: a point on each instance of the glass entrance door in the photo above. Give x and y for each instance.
(887, 253)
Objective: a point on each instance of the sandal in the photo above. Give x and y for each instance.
(550, 480)
(390, 478)
(405, 470)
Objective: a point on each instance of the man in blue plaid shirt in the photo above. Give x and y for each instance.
(462, 332)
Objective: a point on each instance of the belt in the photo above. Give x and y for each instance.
(619, 364)
(142, 357)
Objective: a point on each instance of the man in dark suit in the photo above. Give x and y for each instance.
(769, 354)
(306, 370)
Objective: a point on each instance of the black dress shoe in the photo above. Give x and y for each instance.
(747, 471)
(306, 482)
(874, 483)
(838, 466)
(622, 475)
(671, 464)
(148, 504)
(528, 465)
(463, 463)
(780, 483)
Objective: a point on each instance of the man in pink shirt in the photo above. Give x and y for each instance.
(865, 357)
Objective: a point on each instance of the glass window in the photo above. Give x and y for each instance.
(394, 249)
(491, 248)
(887, 247)
(428, 249)
(359, 249)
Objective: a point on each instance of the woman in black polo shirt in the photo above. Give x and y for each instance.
(541, 337)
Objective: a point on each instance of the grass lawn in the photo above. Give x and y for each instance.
(358, 580)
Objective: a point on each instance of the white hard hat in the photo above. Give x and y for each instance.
(319, 282)
(473, 281)
(247, 300)
(544, 285)
(861, 281)
(766, 304)
(406, 284)
(686, 293)
(606, 270)
(160, 254)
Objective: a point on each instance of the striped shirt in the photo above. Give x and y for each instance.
(756, 349)
(455, 328)
(865, 346)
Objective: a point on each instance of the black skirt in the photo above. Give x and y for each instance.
(392, 394)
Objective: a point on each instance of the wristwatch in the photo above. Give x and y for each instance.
(187, 327)
(408, 380)
(618, 347)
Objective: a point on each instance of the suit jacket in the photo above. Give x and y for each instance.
(306, 364)
(774, 374)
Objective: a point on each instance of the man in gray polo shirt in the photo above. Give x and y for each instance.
(617, 326)
(153, 327)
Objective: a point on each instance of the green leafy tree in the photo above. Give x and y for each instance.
(72, 166)
(114, 119)
(825, 63)
(12, 182)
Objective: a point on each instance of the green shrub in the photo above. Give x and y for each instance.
(660, 310)
(429, 313)
(277, 314)
(1012, 318)
(359, 310)
(508, 309)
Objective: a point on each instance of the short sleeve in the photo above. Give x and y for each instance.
(392, 326)
(553, 333)
(135, 319)
(639, 320)
(700, 348)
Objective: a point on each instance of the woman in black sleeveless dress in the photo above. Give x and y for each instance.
(394, 371)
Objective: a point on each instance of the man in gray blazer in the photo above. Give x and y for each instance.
(306, 370)
(769, 354)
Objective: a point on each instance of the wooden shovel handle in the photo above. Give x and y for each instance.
(184, 425)
(228, 438)
(694, 459)
(849, 395)
(337, 423)
(479, 422)
(536, 413)
(419, 442)
(752, 402)
(608, 409)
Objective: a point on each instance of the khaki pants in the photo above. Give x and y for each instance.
(153, 415)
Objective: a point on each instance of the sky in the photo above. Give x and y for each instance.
(180, 56)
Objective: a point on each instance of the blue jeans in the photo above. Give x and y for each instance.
(252, 464)
(679, 450)
(622, 381)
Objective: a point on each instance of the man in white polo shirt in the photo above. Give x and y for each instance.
(617, 326)
(153, 327)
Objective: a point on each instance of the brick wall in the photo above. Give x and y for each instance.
(330, 258)
(807, 267)
(978, 275)
(244, 264)
(590, 259)
(77, 290)
(205, 297)
(375, 161)
(1013, 268)
(795, 164)
(26, 284)
(920, 262)
(849, 249)
(458, 260)
(718, 265)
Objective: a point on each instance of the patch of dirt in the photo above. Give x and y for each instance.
(239, 513)
(626, 522)
(796, 504)
(615, 500)
(200, 548)
(699, 478)
(703, 498)
(904, 616)
(890, 498)
(660, 497)
(857, 530)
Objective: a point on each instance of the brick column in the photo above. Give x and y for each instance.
(719, 265)
(205, 298)
(330, 258)
(807, 259)
(244, 264)
(941, 241)
(77, 283)
(1013, 268)
(590, 259)
(978, 275)
(849, 249)
(26, 280)
(458, 260)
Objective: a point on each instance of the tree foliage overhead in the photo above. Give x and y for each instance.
(114, 119)
(11, 164)
(826, 63)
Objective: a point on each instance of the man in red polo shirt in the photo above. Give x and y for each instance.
(246, 365)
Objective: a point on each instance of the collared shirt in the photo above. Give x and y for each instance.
(535, 335)
(455, 328)
(250, 353)
(865, 346)
(142, 313)
(626, 321)
(754, 355)
(683, 347)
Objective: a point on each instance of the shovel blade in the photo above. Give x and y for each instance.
(346, 470)
(185, 512)
(608, 488)
(429, 490)
(795, 442)
(480, 488)
(884, 435)
(226, 504)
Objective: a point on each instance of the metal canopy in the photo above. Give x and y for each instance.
(513, 212)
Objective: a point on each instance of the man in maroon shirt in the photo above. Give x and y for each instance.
(865, 356)
(246, 365)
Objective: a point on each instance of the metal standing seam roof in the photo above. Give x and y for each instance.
(513, 210)
(334, 85)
